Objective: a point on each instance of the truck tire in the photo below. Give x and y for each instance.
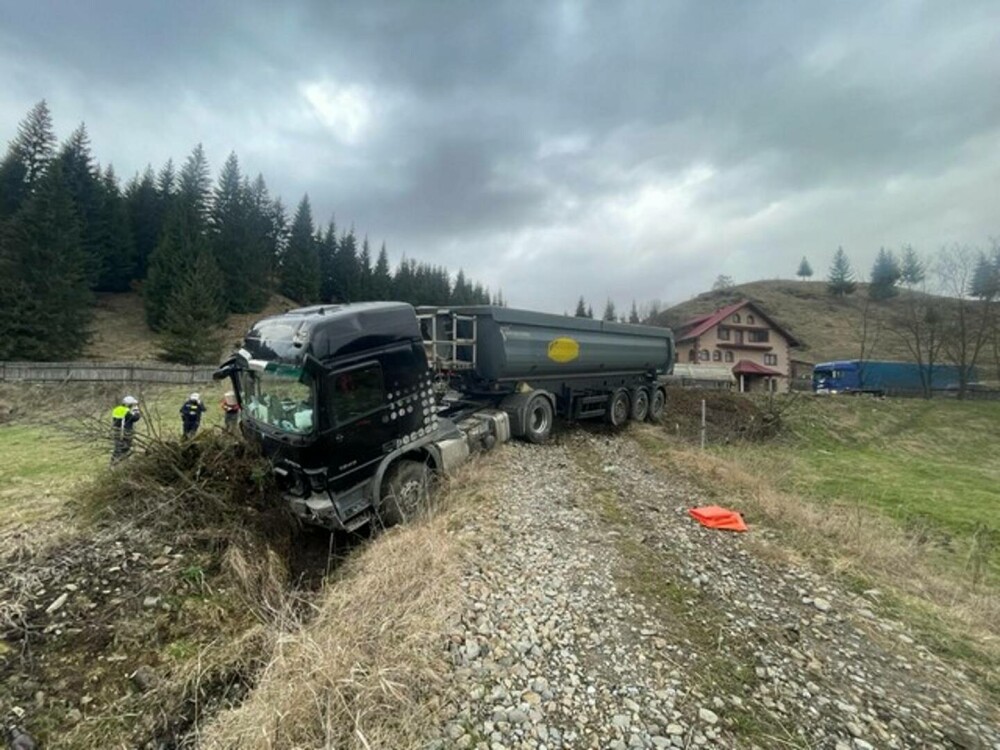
(538, 419)
(640, 404)
(404, 492)
(618, 408)
(657, 405)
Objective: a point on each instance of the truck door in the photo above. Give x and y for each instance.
(355, 402)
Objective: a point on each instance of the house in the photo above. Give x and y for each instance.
(743, 336)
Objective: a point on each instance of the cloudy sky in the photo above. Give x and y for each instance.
(631, 150)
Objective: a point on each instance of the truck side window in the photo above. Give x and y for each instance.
(355, 393)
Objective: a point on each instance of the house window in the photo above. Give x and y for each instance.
(692, 356)
(716, 356)
(704, 355)
(759, 337)
(736, 317)
(770, 359)
(723, 334)
(750, 320)
(729, 356)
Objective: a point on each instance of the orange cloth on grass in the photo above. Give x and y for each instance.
(715, 517)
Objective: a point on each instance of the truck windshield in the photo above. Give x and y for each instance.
(282, 399)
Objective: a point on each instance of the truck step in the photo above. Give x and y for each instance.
(356, 522)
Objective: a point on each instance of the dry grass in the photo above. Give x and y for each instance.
(856, 542)
(368, 670)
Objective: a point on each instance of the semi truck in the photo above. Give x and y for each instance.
(879, 378)
(358, 405)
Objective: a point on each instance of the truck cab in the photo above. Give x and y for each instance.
(335, 395)
(836, 377)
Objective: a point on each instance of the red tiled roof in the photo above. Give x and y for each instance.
(706, 322)
(746, 367)
(695, 327)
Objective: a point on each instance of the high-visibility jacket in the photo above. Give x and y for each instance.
(123, 418)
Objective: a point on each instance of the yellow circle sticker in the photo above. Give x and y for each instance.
(564, 350)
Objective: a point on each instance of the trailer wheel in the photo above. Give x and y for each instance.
(538, 419)
(640, 404)
(404, 492)
(618, 408)
(657, 405)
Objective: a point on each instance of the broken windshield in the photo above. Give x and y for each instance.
(282, 399)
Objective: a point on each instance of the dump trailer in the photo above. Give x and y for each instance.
(358, 405)
(881, 378)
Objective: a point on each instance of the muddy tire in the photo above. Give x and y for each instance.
(404, 492)
(640, 404)
(657, 405)
(538, 418)
(618, 408)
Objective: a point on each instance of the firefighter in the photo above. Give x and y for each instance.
(231, 411)
(123, 419)
(191, 412)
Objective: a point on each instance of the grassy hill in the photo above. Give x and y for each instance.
(829, 327)
(119, 332)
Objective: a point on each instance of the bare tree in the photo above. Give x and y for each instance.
(919, 322)
(969, 321)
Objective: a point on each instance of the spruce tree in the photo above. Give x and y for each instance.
(345, 268)
(195, 309)
(805, 270)
(609, 311)
(590, 312)
(28, 157)
(114, 236)
(81, 176)
(365, 272)
(633, 314)
(145, 218)
(326, 246)
(269, 230)
(581, 308)
(43, 282)
(841, 280)
(912, 269)
(985, 284)
(299, 274)
(381, 277)
(885, 275)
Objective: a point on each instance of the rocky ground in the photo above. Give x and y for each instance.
(597, 614)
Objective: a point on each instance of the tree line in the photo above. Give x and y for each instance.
(196, 250)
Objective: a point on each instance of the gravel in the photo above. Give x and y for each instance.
(554, 649)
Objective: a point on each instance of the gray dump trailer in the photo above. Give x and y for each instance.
(357, 404)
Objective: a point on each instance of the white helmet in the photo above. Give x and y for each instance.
(130, 401)
(194, 397)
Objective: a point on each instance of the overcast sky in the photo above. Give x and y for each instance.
(610, 149)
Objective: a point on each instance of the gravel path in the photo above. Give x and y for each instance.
(598, 615)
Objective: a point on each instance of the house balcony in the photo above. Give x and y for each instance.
(752, 347)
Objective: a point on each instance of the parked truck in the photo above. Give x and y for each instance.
(357, 405)
(879, 378)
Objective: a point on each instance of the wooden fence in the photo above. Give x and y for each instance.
(104, 372)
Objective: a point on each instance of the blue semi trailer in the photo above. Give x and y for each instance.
(858, 376)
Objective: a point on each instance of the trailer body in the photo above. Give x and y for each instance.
(355, 404)
(880, 378)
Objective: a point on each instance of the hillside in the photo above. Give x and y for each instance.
(118, 331)
(828, 327)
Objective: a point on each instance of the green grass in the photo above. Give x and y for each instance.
(932, 466)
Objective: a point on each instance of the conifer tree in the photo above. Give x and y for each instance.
(365, 271)
(841, 280)
(609, 311)
(633, 314)
(145, 218)
(345, 268)
(581, 308)
(912, 268)
(43, 283)
(195, 309)
(381, 277)
(327, 248)
(270, 227)
(403, 281)
(805, 270)
(590, 312)
(81, 177)
(28, 157)
(299, 275)
(885, 275)
(114, 236)
(985, 283)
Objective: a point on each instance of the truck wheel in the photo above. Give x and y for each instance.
(640, 404)
(618, 408)
(404, 491)
(538, 420)
(657, 405)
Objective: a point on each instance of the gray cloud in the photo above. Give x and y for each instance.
(631, 150)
